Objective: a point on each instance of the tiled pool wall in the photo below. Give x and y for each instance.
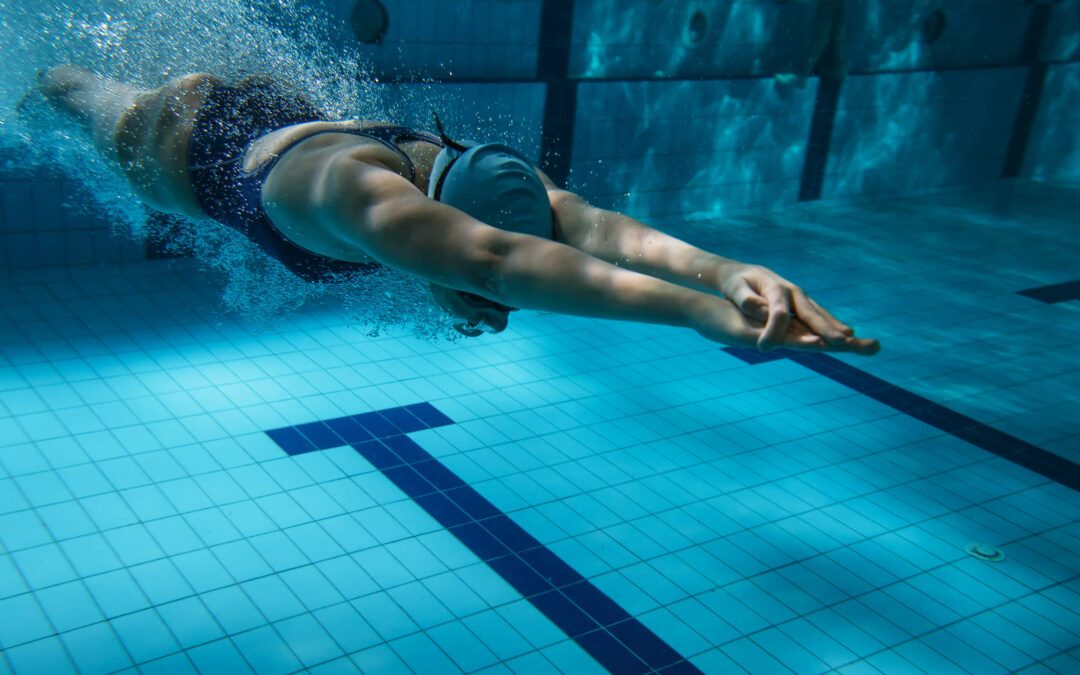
(669, 130)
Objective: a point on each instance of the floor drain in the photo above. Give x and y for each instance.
(985, 552)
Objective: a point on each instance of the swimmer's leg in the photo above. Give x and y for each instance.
(146, 130)
(98, 102)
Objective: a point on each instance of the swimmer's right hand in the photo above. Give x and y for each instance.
(719, 320)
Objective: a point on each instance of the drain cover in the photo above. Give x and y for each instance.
(985, 552)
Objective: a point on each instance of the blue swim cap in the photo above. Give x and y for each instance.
(493, 183)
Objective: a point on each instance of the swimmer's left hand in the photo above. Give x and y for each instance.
(764, 295)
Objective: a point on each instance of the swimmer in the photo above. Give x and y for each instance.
(487, 230)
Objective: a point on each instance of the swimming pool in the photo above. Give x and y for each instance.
(188, 487)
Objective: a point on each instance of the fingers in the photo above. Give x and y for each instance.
(821, 311)
(817, 319)
(802, 337)
(776, 326)
(794, 320)
(846, 340)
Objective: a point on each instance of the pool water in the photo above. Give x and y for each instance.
(185, 492)
(210, 466)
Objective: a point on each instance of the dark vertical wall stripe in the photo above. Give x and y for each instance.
(1033, 87)
(1006, 446)
(1069, 290)
(618, 641)
(821, 130)
(560, 102)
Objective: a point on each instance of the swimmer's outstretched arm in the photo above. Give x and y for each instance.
(759, 293)
(392, 221)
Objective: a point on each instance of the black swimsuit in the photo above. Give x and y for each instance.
(229, 121)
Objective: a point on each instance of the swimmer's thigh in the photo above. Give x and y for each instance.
(152, 140)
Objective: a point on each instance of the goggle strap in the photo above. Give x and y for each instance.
(447, 141)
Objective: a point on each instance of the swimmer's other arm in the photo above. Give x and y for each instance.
(758, 292)
(400, 227)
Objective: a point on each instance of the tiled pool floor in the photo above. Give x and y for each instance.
(570, 495)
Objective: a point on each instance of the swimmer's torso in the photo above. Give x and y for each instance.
(161, 123)
(289, 201)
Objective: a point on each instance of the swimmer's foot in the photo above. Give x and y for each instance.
(67, 86)
(32, 99)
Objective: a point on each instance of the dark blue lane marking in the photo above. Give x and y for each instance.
(1070, 290)
(1006, 446)
(605, 630)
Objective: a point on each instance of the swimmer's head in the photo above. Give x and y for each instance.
(496, 185)
(493, 183)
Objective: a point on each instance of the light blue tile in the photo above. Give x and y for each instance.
(44, 565)
(174, 535)
(190, 621)
(22, 530)
(308, 640)
(385, 615)
(133, 544)
(273, 598)
(341, 666)
(567, 656)
(212, 526)
(22, 620)
(283, 510)
(241, 560)
(171, 665)
(311, 587)
(69, 606)
(379, 659)
(185, 494)
(108, 511)
(43, 656)
(419, 603)
(384, 568)
(91, 554)
(422, 655)
(145, 636)
(220, 657)
(85, 480)
(347, 577)
(497, 634)
(148, 503)
(278, 550)
(926, 658)
(96, 649)
(202, 570)
(265, 650)
(751, 657)
(221, 488)
(820, 644)
(314, 541)
(232, 608)
(462, 646)
(43, 488)
(66, 520)
(347, 627)
(317, 502)
(248, 518)
(172, 464)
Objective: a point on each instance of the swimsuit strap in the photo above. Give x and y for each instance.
(387, 134)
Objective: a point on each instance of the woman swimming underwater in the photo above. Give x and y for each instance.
(486, 229)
